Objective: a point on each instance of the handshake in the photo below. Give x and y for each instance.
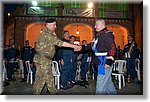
(77, 48)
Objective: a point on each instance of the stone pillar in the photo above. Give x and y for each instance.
(19, 32)
(96, 8)
(60, 9)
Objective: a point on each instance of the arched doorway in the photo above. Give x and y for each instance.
(81, 31)
(33, 31)
(120, 34)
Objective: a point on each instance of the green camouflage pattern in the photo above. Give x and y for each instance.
(45, 48)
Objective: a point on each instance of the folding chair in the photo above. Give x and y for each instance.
(29, 72)
(137, 68)
(78, 73)
(4, 71)
(119, 69)
(56, 73)
(21, 71)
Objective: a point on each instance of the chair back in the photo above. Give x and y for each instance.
(120, 66)
(4, 67)
(55, 68)
(4, 71)
(137, 66)
(20, 65)
(28, 66)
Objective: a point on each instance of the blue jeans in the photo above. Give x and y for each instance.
(72, 71)
(73, 66)
(84, 66)
(10, 70)
(65, 68)
(131, 68)
(104, 84)
(34, 72)
(84, 70)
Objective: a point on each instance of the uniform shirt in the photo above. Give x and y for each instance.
(133, 54)
(11, 53)
(33, 52)
(45, 46)
(26, 53)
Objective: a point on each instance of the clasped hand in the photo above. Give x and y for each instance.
(77, 48)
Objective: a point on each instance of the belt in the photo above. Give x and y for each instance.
(104, 54)
(12, 60)
(110, 57)
(101, 54)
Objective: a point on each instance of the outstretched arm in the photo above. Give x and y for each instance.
(75, 47)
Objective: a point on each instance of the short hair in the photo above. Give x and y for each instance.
(83, 41)
(11, 39)
(72, 36)
(27, 41)
(65, 31)
(101, 20)
(130, 35)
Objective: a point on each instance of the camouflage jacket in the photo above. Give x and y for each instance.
(45, 46)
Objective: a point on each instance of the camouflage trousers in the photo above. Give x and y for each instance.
(43, 75)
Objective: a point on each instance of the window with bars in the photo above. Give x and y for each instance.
(75, 4)
(120, 7)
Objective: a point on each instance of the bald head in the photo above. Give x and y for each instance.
(99, 25)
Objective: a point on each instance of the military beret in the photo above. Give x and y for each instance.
(50, 20)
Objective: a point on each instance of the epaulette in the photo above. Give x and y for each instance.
(108, 31)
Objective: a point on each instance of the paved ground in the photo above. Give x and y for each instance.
(23, 88)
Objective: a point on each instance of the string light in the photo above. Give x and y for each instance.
(77, 32)
(8, 14)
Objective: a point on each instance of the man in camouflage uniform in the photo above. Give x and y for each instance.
(45, 50)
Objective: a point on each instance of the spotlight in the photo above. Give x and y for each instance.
(34, 3)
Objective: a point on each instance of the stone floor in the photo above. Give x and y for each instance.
(22, 88)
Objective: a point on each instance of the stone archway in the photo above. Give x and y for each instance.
(85, 31)
(120, 34)
(33, 30)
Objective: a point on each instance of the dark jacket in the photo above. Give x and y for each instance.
(106, 43)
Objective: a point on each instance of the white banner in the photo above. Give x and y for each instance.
(78, 12)
(41, 10)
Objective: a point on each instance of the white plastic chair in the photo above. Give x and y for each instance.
(119, 69)
(78, 73)
(93, 74)
(137, 68)
(4, 71)
(21, 71)
(56, 73)
(29, 72)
